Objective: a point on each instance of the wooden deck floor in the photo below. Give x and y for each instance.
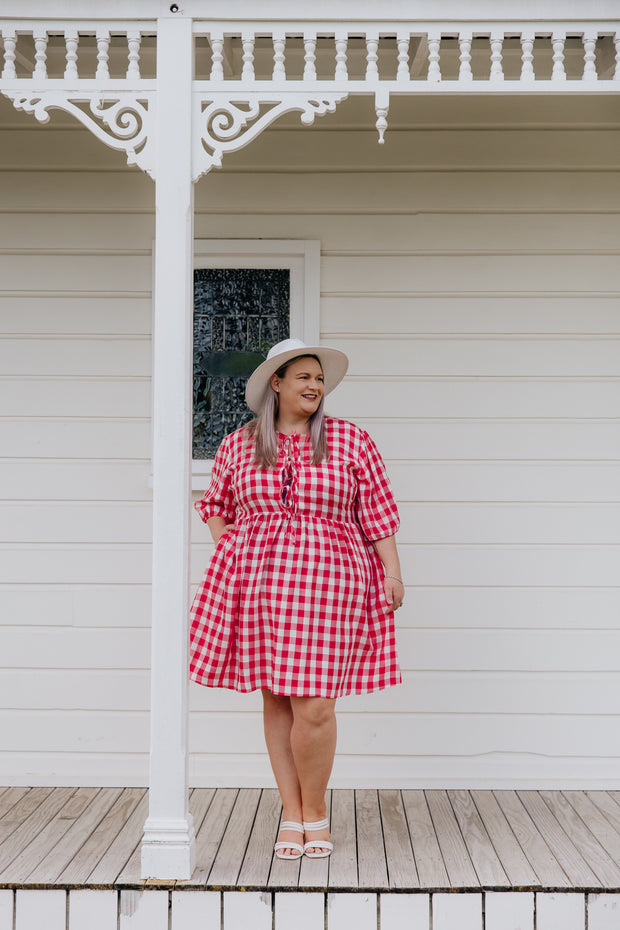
(385, 840)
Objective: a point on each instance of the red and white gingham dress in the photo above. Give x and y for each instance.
(292, 599)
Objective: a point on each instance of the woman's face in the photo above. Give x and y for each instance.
(301, 387)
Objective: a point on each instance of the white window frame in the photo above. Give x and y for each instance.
(303, 259)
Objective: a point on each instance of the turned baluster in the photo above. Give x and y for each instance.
(309, 57)
(465, 72)
(497, 41)
(103, 46)
(217, 57)
(402, 43)
(527, 57)
(434, 44)
(133, 54)
(589, 63)
(10, 43)
(372, 57)
(558, 40)
(617, 45)
(40, 45)
(71, 46)
(247, 42)
(341, 39)
(279, 44)
(382, 103)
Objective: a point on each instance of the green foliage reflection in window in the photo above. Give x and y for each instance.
(239, 313)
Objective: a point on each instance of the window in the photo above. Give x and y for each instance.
(248, 295)
(239, 313)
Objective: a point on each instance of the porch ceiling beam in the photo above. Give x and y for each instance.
(322, 10)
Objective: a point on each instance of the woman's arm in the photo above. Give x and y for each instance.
(393, 584)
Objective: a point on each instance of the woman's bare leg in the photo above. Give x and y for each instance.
(300, 733)
(278, 721)
(313, 744)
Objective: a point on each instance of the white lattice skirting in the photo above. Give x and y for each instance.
(155, 909)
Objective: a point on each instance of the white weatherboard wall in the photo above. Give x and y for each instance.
(470, 270)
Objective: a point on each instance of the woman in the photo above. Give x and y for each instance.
(298, 598)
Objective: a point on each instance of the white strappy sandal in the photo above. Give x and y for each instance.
(282, 844)
(326, 845)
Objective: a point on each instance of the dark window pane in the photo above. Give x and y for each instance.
(239, 313)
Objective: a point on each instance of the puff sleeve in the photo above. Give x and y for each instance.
(219, 500)
(375, 505)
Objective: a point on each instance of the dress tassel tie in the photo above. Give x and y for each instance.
(289, 484)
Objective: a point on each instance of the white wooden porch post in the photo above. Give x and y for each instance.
(168, 842)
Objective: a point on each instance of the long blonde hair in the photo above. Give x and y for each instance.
(263, 428)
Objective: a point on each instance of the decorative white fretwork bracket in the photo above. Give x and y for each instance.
(123, 121)
(225, 123)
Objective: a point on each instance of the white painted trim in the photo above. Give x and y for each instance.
(328, 10)
(168, 846)
(157, 908)
(302, 257)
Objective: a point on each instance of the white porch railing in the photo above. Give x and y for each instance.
(409, 57)
(420, 57)
(246, 74)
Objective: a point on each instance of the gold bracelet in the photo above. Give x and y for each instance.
(394, 578)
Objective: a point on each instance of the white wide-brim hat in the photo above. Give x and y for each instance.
(333, 362)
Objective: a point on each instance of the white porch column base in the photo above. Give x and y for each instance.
(168, 847)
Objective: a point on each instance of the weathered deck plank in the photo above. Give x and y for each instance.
(569, 857)
(605, 833)
(514, 861)
(259, 853)
(542, 860)
(200, 800)
(343, 862)
(589, 848)
(372, 869)
(481, 852)
(9, 798)
(453, 849)
(131, 873)
(113, 861)
(85, 860)
(385, 840)
(227, 862)
(606, 804)
(19, 812)
(402, 872)
(209, 836)
(49, 841)
(83, 826)
(32, 826)
(314, 873)
(429, 861)
(284, 874)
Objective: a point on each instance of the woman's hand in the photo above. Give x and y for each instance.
(392, 582)
(394, 593)
(227, 528)
(218, 527)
